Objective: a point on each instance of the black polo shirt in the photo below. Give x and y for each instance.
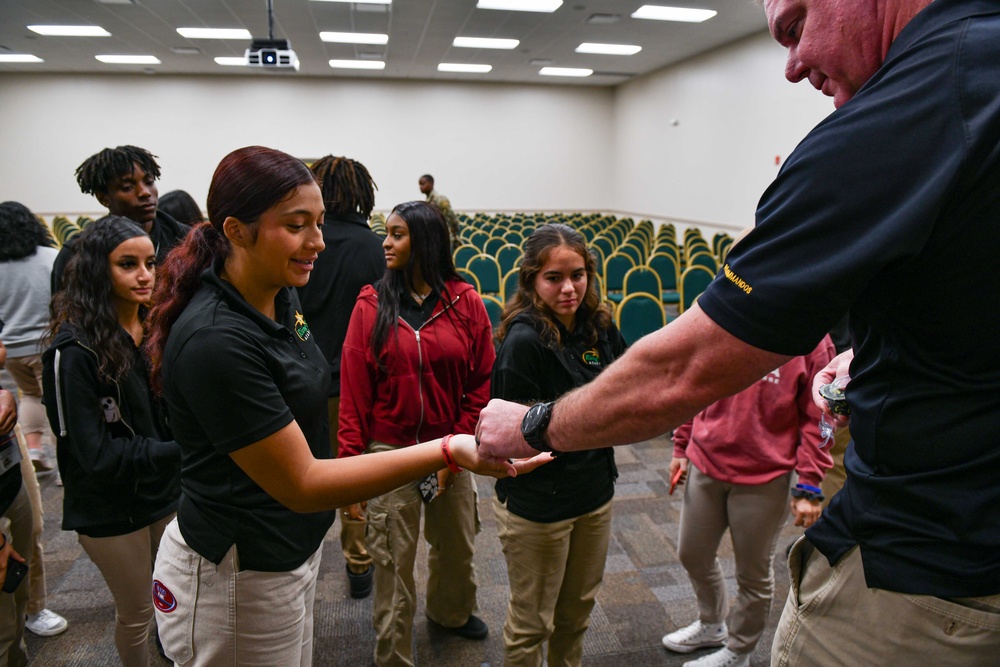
(232, 377)
(889, 209)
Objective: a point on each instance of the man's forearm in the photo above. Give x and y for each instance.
(660, 383)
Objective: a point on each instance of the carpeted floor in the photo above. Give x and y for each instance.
(645, 593)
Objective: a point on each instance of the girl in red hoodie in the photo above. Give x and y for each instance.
(416, 366)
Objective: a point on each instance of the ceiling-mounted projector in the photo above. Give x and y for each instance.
(272, 53)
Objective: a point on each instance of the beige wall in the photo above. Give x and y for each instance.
(490, 146)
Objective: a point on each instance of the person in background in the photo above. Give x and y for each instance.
(123, 179)
(26, 259)
(246, 388)
(415, 366)
(16, 528)
(352, 259)
(886, 206)
(738, 457)
(181, 206)
(426, 184)
(554, 524)
(118, 461)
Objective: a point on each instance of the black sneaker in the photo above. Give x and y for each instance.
(361, 584)
(474, 628)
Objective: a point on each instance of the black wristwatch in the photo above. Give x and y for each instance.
(535, 423)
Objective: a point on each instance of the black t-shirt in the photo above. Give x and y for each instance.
(889, 209)
(528, 370)
(232, 377)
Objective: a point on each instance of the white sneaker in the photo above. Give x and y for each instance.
(46, 623)
(695, 636)
(723, 658)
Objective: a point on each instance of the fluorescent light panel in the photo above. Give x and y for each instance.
(357, 64)
(485, 43)
(609, 49)
(464, 67)
(521, 5)
(354, 37)
(360, 2)
(19, 58)
(684, 14)
(129, 60)
(69, 30)
(214, 33)
(565, 71)
(231, 61)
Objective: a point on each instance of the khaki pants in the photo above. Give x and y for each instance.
(212, 615)
(352, 531)
(27, 373)
(836, 476)
(451, 522)
(555, 570)
(37, 592)
(754, 515)
(832, 618)
(126, 563)
(13, 652)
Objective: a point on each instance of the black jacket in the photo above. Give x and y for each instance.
(529, 371)
(353, 258)
(166, 234)
(118, 463)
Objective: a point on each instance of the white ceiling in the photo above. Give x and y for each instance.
(420, 36)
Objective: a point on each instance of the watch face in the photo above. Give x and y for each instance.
(533, 418)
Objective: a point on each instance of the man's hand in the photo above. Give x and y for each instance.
(838, 366)
(499, 432)
(806, 511)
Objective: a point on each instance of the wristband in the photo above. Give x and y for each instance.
(813, 493)
(448, 458)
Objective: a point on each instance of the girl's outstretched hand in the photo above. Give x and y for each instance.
(468, 455)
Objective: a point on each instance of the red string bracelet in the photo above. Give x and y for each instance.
(448, 458)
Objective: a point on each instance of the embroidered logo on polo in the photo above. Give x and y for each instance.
(163, 599)
(301, 328)
(591, 357)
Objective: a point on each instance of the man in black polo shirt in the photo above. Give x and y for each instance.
(123, 179)
(353, 258)
(887, 209)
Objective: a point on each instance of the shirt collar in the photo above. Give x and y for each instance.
(238, 304)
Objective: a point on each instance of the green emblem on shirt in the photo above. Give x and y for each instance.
(301, 328)
(591, 357)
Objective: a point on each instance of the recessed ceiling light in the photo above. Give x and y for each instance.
(521, 5)
(354, 37)
(673, 14)
(360, 2)
(214, 33)
(464, 67)
(129, 60)
(609, 49)
(541, 62)
(232, 61)
(357, 64)
(19, 58)
(485, 43)
(185, 50)
(70, 30)
(565, 71)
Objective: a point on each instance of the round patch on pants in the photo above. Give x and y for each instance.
(163, 599)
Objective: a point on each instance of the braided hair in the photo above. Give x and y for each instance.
(96, 173)
(347, 185)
